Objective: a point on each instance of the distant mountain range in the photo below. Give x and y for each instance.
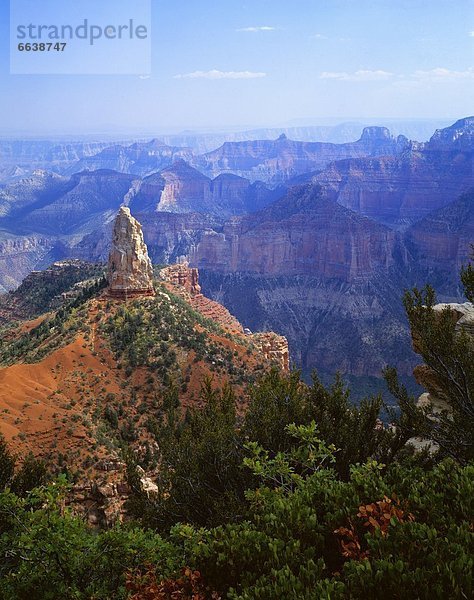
(271, 161)
(279, 160)
(304, 131)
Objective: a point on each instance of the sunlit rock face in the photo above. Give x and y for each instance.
(130, 273)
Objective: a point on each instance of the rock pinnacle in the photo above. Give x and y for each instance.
(130, 273)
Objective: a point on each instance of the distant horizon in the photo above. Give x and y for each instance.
(299, 123)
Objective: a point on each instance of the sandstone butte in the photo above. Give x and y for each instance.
(130, 273)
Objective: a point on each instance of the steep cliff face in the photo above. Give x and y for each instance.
(398, 191)
(129, 272)
(185, 190)
(278, 160)
(440, 244)
(356, 328)
(19, 256)
(306, 233)
(182, 189)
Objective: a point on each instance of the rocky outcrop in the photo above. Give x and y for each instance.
(182, 277)
(463, 317)
(102, 501)
(463, 314)
(184, 281)
(442, 241)
(130, 273)
(274, 348)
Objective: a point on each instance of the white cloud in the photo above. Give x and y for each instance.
(215, 74)
(144, 76)
(256, 29)
(362, 75)
(442, 74)
(471, 33)
(319, 36)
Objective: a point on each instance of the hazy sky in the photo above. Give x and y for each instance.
(262, 63)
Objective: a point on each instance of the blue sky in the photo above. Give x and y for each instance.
(262, 63)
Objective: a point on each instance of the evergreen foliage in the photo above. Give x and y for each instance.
(448, 353)
(467, 279)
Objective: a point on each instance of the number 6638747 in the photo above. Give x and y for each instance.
(42, 47)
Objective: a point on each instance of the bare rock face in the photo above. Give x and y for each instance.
(180, 188)
(274, 348)
(305, 233)
(130, 273)
(183, 276)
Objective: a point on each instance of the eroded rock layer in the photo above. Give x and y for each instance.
(184, 281)
(130, 273)
(274, 347)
